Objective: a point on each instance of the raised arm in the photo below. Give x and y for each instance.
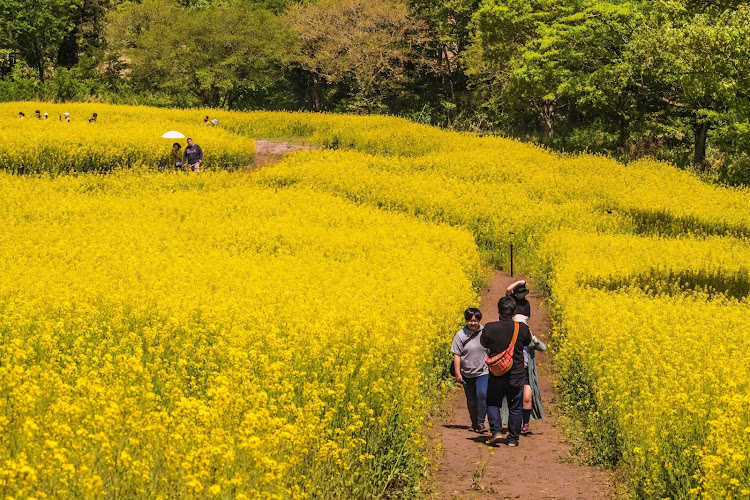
(513, 285)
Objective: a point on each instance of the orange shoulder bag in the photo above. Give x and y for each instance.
(500, 364)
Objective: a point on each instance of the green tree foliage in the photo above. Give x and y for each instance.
(626, 77)
(449, 30)
(695, 59)
(217, 57)
(630, 78)
(368, 46)
(36, 28)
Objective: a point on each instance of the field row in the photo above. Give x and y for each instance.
(646, 269)
(201, 301)
(201, 336)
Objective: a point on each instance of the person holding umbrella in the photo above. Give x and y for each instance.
(175, 154)
(176, 157)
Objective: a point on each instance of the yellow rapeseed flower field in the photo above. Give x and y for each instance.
(199, 336)
(646, 267)
(121, 137)
(280, 333)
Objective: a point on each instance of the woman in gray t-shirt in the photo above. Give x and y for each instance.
(471, 369)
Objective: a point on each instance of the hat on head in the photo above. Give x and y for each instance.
(66, 114)
(520, 291)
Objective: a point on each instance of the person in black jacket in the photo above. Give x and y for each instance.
(496, 337)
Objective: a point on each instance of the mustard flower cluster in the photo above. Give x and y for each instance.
(645, 265)
(201, 336)
(121, 137)
(280, 333)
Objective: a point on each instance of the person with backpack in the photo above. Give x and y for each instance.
(505, 340)
(470, 369)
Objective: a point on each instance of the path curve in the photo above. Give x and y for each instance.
(540, 467)
(268, 152)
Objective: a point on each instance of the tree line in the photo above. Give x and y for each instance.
(665, 78)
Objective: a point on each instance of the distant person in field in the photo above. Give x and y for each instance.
(21, 115)
(470, 369)
(193, 156)
(532, 399)
(205, 120)
(214, 122)
(46, 116)
(38, 114)
(93, 118)
(66, 117)
(496, 338)
(176, 156)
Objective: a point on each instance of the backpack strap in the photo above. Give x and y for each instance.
(463, 344)
(515, 335)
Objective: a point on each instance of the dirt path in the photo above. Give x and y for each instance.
(268, 152)
(540, 467)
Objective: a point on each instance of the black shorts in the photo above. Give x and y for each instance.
(526, 377)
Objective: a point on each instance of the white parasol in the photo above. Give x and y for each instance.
(173, 134)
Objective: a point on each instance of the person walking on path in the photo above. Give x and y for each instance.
(532, 399)
(496, 338)
(470, 369)
(193, 156)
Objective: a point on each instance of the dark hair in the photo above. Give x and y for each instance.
(176, 144)
(189, 139)
(523, 307)
(472, 312)
(506, 306)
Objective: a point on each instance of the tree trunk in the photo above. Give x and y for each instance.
(623, 134)
(548, 113)
(699, 156)
(316, 96)
(35, 58)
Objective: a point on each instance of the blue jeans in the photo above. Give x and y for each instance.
(497, 389)
(476, 398)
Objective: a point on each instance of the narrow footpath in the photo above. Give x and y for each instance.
(268, 152)
(541, 466)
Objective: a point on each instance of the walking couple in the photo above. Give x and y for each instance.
(475, 346)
